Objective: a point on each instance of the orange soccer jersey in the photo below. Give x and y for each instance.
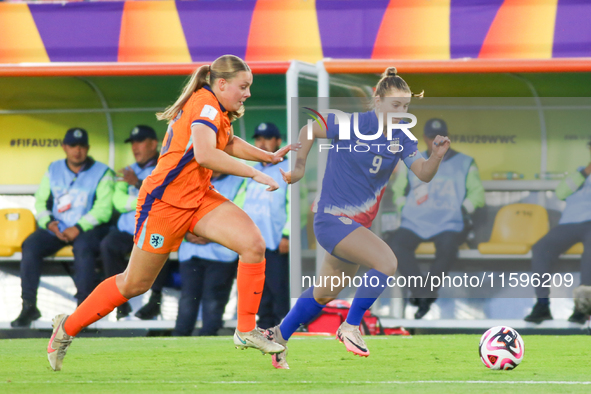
(178, 179)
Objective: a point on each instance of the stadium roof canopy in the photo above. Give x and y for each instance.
(333, 66)
(279, 31)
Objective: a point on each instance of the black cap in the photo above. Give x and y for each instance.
(76, 136)
(140, 133)
(435, 127)
(267, 131)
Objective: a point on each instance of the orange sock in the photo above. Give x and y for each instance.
(250, 282)
(99, 304)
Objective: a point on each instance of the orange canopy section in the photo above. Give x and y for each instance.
(354, 66)
(459, 66)
(124, 69)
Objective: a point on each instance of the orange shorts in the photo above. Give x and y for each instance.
(161, 227)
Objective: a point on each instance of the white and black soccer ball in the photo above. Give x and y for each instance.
(501, 347)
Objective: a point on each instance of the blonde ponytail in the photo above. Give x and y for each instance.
(392, 81)
(225, 67)
(198, 79)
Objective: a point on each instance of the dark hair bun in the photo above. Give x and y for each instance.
(390, 72)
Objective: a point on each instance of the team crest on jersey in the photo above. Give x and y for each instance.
(156, 240)
(395, 143)
(209, 112)
(345, 220)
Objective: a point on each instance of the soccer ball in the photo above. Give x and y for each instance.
(501, 347)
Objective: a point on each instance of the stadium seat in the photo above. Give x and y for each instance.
(429, 248)
(516, 229)
(16, 224)
(65, 252)
(425, 248)
(576, 249)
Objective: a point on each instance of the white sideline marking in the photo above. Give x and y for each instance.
(314, 382)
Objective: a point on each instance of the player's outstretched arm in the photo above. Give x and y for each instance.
(241, 149)
(303, 148)
(208, 156)
(425, 170)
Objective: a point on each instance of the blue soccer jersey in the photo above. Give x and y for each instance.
(358, 171)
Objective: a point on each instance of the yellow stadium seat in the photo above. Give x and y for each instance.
(16, 224)
(66, 251)
(516, 229)
(6, 251)
(429, 248)
(425, 248)
(576, 249)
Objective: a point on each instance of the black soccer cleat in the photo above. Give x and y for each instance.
(539, 313)
(578, 317)
(424, 307)
(123, 310)
(29, 314)
(152, 309)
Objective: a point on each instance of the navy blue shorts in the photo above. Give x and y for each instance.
(330, 229)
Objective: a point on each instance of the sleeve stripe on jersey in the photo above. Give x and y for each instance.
(159, 191)
(205, 122)
(408, 160)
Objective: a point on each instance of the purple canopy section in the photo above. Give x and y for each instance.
(79, 32)
(469, 23)
(89, 32)
(212, 29)
(572, 30)
(348, 29)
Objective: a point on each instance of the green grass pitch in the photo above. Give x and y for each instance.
(429, 363)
